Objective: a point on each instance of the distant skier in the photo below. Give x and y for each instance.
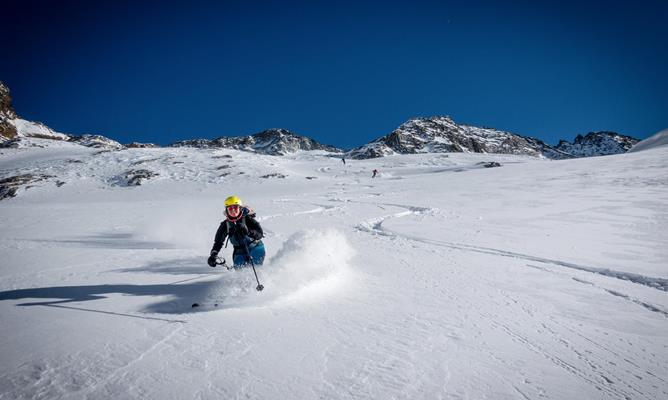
(243, 231)
(375, 172)
(343, 159)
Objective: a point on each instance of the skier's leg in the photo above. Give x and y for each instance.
(239, 259)
(258, 253)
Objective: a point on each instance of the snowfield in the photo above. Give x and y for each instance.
(439, 279)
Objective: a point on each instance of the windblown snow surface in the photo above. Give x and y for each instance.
(659, 139)
(438, 279)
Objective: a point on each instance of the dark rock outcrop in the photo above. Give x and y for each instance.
(7, 113)
(137, 145)
(10, 186)
(274, 175)
(597, 144)
(134, 177)
(490, 164)
(9, 143)
(96, 141)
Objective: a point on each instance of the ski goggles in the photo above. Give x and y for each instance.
(234, 208)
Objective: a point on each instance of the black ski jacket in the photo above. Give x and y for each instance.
(246, 229)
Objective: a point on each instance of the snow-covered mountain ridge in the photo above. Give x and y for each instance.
(441, 134)
(271, 141)
(597, 144)
(438, 134)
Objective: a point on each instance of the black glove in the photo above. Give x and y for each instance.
(212, 259)
(255, 235)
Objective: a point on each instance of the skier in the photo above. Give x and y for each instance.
(343, 159)
(243, 231)
(375, 172)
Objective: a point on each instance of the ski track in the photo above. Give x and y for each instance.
(120, 374)
(394, 365)
(374, 225)
(615, 293)
(320, 208)
(590, 371)
(556, 344)
(646, 305)
(77, 376)
(399, 363)
(593, 369)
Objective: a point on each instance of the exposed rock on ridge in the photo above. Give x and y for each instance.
(438, 134)
(442, 135)
(271, 141)
(597, 144)
(7, 113)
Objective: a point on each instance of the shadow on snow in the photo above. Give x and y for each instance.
(180, 294)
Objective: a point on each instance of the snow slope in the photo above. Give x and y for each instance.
(657, 140)
(438, 279)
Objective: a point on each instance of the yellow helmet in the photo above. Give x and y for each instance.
(233, 200)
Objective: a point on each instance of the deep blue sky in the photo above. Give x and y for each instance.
(341, 72)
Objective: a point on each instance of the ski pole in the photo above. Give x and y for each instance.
(221, 261)
(259, 286)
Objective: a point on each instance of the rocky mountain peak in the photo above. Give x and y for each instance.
(597, 144)
(282, 141)
(275, 141)
(274, 132)
(96, 141)
(438, 122)
(441, 134)
(6, 108)
(7, 113)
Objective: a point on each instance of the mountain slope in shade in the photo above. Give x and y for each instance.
(270, 141)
